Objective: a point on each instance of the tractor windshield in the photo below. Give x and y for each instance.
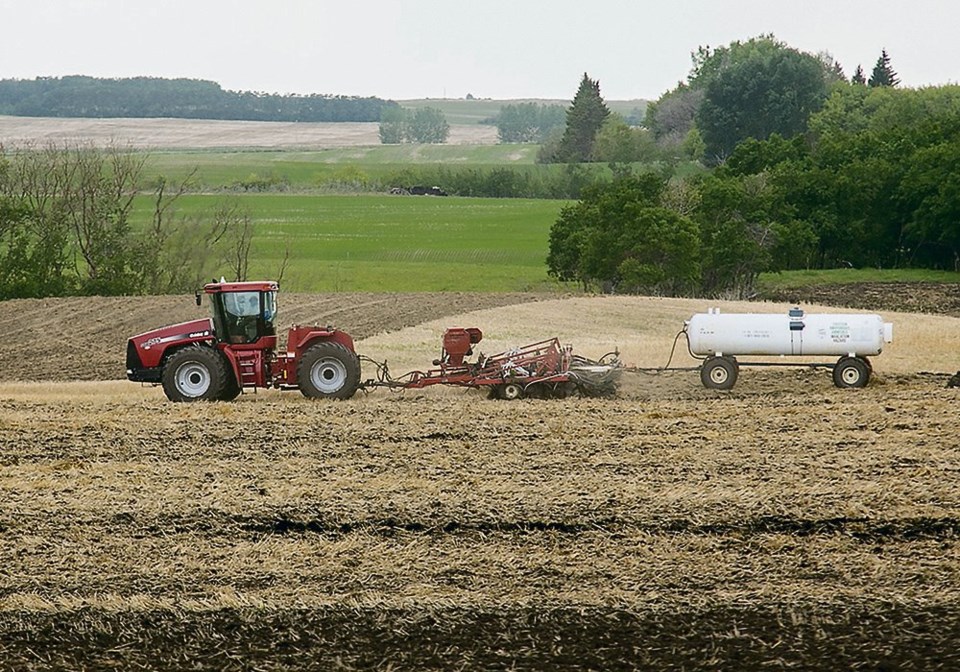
(248, 315)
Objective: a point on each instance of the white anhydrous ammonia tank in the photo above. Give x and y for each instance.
(794, 333)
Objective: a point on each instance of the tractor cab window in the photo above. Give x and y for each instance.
(269, 309)
(248, 315)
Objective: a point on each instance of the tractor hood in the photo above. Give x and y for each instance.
(185, 331)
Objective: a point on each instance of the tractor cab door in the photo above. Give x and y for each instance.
(244, 317)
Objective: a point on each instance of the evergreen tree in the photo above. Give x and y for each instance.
(883, 74)
(584, 119)
(859, 77)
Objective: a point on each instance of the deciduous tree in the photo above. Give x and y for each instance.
(762, 87)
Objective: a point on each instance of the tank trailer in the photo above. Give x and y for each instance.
(719, 338)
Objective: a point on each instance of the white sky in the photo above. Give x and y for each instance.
(434, 48)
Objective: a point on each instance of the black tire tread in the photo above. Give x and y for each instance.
(328, 349)
(212, 359)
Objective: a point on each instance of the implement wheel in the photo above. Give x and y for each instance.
(719, 373)
(507, 391)
(328, 370)
(195, 373)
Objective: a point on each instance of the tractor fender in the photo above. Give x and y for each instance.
(300, 338)
(233, 361)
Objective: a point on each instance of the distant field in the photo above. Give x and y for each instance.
(395, 243)
(211, 134)
(312, 169)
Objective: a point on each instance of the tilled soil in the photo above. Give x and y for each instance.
(783, 524)
(84, 338)
(906, 297)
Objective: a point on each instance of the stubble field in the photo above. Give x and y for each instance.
(211, 134)
(783, 524)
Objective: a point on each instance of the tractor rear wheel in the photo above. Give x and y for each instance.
(195, 373)
(328, 370)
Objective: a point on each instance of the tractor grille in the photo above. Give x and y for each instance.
(133, 357)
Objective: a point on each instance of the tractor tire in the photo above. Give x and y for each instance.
(719, 373)
(195, 373)
(328, 370)
(851, 372)
(231, 389)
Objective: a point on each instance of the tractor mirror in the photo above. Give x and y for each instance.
(196, 295)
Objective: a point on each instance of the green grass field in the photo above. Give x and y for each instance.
(844, 276)
(377, 242)
(315, 169)
(394, 243)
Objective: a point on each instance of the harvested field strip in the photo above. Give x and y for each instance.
(864, 530)
(443, 638)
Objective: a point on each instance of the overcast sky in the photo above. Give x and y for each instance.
(448, 48)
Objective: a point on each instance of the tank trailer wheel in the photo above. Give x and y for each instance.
(851, 372)
(719, 373)
(195, 373)
(328, 370)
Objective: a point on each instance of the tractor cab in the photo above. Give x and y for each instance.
(243, 312)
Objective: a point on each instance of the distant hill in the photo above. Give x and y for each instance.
(150, 97)
(480, 110)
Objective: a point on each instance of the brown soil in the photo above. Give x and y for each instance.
(786, 525)
(84, 338)
(783, 524)
(906, 297)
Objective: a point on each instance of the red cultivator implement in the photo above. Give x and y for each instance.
(544, 369)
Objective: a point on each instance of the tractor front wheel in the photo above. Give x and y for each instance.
(195, 373)
(328, 370)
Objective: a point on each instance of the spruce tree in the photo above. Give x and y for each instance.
(883, 74)
(859, 77)
(584, 119)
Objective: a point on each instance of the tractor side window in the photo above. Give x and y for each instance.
(269, 310)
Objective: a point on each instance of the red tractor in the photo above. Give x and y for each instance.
(215, 358)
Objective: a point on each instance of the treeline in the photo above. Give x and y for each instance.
(141, 97)
(807, 169)
(65, 228)
(875, 182)
(557, 182)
